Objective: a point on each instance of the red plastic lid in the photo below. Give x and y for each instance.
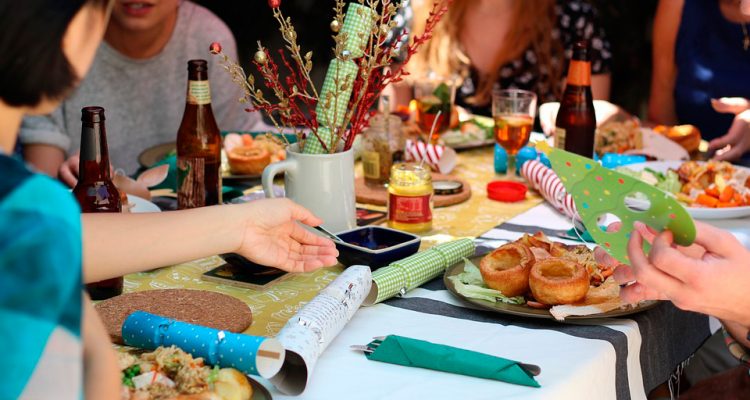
(506, 191)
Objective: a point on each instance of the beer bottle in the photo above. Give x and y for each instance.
(95, 191)
(198, 144)
(576, 122)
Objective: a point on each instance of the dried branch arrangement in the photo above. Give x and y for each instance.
(327, 121)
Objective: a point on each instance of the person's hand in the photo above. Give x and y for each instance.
(273, 237)
(68, 172)
(738, 135)
(711, 277)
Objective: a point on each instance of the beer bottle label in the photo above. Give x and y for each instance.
(560, 138)
(371, 164)
(199, 92)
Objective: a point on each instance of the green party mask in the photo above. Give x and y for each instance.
(598, 192)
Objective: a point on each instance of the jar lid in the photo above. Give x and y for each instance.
(447, 187)
(507, 191)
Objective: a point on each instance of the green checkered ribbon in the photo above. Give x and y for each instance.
(333, 102)
(411, 272)
(357, 27)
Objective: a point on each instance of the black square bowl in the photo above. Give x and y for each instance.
(375, 246)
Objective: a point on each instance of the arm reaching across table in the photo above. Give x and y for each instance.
(264, 231)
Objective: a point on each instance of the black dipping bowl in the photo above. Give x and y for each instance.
(375, 246)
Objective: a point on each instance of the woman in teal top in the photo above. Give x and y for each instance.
(47, 247)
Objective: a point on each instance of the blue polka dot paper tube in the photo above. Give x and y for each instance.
(602, 195)
(253, 355)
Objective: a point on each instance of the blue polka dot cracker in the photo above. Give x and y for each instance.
(599, 192)
(255, 355)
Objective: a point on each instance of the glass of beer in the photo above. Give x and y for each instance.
(435, 96)
(514, 111)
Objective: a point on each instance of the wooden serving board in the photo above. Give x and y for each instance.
(379, 196)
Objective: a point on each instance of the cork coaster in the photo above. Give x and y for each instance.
(200, 307)
(379, 196)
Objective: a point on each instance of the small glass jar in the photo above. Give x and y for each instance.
(383, 145)
(410, 198)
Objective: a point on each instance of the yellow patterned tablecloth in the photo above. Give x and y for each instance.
(273, 307)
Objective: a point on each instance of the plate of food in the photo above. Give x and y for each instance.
(243, 156)
(621, 133)
(707, 189)
(539, 278)
(170, 373)
(472, 132)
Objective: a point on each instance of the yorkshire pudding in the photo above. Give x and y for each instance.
(248, 160)
(507, 269)
(558, 281)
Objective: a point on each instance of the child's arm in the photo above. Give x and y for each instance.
(264, 231)
(101, 372)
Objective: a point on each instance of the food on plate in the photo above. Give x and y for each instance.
(248, 160)
(558, 281)
(249, 156)
(562, 274)
(618, 137)
(170, 373)
(474, 130)
(687, 136)
(507, 269)
(714, 184)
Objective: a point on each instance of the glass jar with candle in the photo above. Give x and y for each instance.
(410, 198)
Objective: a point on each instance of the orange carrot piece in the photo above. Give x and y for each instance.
(726, 194)
(706, 200)
(737, 198)
(713, 191)
(728, 204)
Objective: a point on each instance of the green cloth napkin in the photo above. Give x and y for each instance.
(421, 354)
(404, 275)
(357, 26)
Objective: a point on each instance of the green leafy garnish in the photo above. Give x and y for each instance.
(443, 92)
(213, 375)
(470, 284)
(129, 373)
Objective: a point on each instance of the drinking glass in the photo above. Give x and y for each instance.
(435, 96)
(514, 111)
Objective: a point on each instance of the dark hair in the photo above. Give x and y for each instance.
(33, 65)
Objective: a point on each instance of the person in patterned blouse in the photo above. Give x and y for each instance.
(509, 44)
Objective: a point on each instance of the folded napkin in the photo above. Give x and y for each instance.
(401, 276)
(253, 355)
(419, 353)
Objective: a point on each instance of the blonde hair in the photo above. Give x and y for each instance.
(532, 25)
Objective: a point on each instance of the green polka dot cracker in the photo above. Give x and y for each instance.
(600, 192)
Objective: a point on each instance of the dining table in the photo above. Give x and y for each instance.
(602, 358)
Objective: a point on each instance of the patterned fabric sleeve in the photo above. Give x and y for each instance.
(579, 20)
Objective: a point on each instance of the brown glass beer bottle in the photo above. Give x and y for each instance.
(576, 122)
(198, 144)
(95, 191)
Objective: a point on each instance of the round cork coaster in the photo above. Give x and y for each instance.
(200, 307)
(379, 196)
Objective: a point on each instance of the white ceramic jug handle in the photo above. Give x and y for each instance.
(270, 172)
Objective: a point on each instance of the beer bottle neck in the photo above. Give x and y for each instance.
(94, 157)
(579, 73)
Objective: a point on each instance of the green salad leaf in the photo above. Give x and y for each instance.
(667, 181)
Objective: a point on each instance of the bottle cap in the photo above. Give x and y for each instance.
(506, 191)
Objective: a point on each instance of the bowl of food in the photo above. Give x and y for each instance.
(375, 246)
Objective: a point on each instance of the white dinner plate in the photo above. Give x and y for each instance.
(141, 205)
(696, 212)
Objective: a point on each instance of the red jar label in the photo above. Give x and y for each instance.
(409, 209)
